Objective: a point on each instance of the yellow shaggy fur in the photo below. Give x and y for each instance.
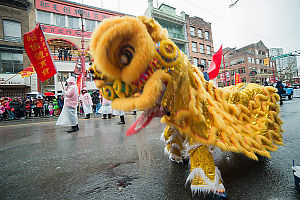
(241, 118)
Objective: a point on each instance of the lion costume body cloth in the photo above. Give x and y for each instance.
(135, 56)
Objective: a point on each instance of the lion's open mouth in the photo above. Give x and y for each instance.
(147, 116)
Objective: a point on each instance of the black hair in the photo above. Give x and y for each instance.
(201, 66)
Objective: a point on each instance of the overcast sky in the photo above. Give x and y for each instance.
(275, 22)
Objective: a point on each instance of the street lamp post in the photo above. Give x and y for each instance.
(224, 63)
(82, 57)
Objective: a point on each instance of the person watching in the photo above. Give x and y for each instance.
(205, 74)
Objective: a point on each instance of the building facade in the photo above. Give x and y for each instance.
(287, 70)
(14, 22)
(62, 25)
(249, 62)
(200, 42)
(61, 21)
(166, 16)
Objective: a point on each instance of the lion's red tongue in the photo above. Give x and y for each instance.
(143, 120)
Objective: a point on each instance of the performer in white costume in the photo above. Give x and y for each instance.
(68, 115)
(86, 101)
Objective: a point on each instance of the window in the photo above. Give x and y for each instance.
(195, 61)
(192, 30)
(257, 61)
(59, 20)
(208, 50)
(249, 59)
(267, 55)
(73, 22)
(207, 35)
(226, 65)
(194, 46)
(89, 25)
(201, 48)
(200, 33)
(256, 51)
(12, 30)
(232, 82)
(11, 62)
(243, 70)
(209, 61)
(253, 60)
(240, 60)
(203, 62)
(43, 17)
(233, 62)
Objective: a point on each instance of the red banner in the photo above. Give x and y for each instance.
(72, 11)
(215, 64)
(39, 54)
(27, 72)
(79, 83)
(64, 31)
(237, 78)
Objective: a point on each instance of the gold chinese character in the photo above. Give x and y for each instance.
(43, 63)
(31, 39)
(39, 55)
(45, 71)
(34, 47)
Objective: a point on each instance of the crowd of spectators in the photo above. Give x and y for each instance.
(22, 108)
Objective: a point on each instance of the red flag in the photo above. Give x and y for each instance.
(79, 83)
(214, 67)
(39, 54)
(237, 78)
(27, 72)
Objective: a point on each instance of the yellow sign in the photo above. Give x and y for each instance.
(267, 61)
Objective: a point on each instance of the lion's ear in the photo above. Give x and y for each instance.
(154, 29)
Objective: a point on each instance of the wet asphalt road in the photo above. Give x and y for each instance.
(39, 160)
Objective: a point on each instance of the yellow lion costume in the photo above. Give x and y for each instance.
(134, 55)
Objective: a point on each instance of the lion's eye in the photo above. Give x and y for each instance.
(126, 54)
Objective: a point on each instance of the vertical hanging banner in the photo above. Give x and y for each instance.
(215, 64)
(79, 83)
(39, 54)
(237, 78)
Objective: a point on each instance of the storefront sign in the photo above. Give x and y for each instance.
(69, 10)
(64, 31)
(253, 73)
(237, 78)
(17, 80)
